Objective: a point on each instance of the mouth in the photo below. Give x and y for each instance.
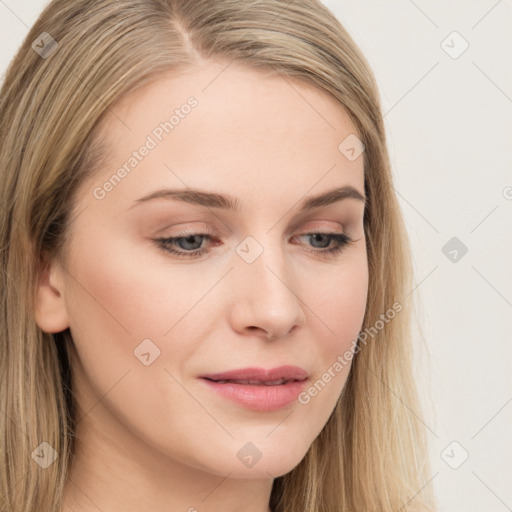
(278, 382)
(259, 389)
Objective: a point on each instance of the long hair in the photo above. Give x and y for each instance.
(372, 454)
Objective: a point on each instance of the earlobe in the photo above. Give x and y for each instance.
(50, 306)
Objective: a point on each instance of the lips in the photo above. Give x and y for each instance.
(255, 382)
(260, 376)
(259, 389)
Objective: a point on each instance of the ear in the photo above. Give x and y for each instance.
(50, 308)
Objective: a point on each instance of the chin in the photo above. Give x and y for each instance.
(250, 462)
(276, 460)
(264, 470)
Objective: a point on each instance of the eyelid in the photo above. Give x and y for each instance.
(316, 225)
(189, 229)
(322, 223)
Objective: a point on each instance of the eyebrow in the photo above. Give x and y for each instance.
(215, 200)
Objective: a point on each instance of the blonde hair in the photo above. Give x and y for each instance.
(371, 455)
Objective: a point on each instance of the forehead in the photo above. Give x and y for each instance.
(248, 129)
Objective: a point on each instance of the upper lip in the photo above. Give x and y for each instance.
(261, 374)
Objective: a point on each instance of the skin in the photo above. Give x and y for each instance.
(154, 437)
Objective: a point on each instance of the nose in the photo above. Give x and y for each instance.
(265, 301)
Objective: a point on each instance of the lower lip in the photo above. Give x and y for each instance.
(259, 397)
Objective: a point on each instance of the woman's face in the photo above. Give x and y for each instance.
(249, 287)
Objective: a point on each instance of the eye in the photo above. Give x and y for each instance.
(189, 245)
(340, 241)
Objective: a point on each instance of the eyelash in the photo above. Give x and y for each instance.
(341, 240)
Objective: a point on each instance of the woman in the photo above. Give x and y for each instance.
(264, 367)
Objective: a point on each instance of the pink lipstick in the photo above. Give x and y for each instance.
(257, 388)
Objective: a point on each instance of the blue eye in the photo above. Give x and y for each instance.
(340, 241)
(189, 245)
(184, 243)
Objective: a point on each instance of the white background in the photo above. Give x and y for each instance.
(449, 124)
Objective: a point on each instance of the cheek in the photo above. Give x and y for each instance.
(112, 307)
(123, 293)
(129, 290)
(116, 300)
(341, 303)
